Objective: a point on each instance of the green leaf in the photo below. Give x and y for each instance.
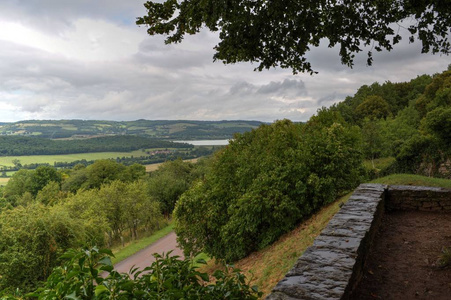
(107, 252)
(106, 261)
(72, 296)
(100, 289)
(204, 276)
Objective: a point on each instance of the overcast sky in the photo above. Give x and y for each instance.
(86, 59)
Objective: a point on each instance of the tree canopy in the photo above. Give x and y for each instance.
(281, 33)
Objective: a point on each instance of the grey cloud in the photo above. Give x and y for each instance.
(328, 99)
(241, 88)
(55, 16)
(195, 51)
(292, 87)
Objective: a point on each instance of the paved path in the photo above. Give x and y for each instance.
(144, 257)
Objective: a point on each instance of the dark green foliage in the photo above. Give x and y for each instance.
(398, 96)
(41, 177)
(170, 181)
(438, 123)
(101, 172)
(167, 278)
(409, 121)
(26, 181)
(16, 145)
(265, 182)
(31, 240)
(373, 108)
(281, 33)
(372, 139)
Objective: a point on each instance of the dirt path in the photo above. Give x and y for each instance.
(144, 257)
(403, 261)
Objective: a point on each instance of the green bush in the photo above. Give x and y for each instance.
(265, 182)
(31, 239)
(81, 277)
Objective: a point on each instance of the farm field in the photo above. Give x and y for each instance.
(154, 167)
(50, 159)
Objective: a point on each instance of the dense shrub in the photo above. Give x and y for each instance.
(31, 240)
(265, 182)
(167, 278)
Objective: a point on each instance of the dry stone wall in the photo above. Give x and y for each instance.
(405, 197)
(333, 265)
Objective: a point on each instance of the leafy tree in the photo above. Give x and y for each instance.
(438, 123)
(31, 240)
(373, 107)
(395, 132)
(42, 176)
(103, 171)
(280, 33)
(334, 155)
(170, 181)
(372, 139)
(436, 94)
(140, 209)
(19, 183)
(17, 163)
(86, 207)
(76, 179)
(50, 194)
(133, 172)
(110, 201)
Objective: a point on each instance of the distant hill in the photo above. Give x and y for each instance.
(171, 130)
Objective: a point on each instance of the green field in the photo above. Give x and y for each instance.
(50, 159)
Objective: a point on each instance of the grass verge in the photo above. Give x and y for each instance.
(410, 179)
(135, 246)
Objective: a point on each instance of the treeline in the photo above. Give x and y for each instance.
(410, 121)
(44, 212)
(17, 145)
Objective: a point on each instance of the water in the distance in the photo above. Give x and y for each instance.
(206, 142)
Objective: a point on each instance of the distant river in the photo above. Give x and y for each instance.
(206, 142)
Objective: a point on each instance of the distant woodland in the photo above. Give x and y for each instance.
(174, 130)
(19, 145)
